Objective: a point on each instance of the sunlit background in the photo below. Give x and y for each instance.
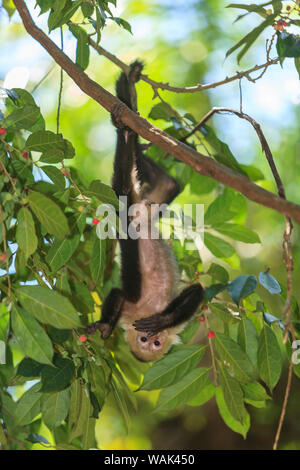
(183, 43)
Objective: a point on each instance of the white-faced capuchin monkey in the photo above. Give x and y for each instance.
(148, 305)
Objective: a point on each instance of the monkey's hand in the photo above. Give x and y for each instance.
(153, 324)
(104, 328)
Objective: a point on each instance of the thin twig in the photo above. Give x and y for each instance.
(44, 77)
(191, 89)
(60, 84)
(284, 406)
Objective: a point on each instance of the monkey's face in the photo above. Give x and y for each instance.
(148, 348)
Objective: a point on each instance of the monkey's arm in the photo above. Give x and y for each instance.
(111, 312)
(178, 311)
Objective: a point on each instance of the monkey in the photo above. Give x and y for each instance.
(148, 306)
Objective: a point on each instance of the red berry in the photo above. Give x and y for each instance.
(82, 338)
(201, 319)
(2, 130)
(26, 155)
(211, 334)
(95, 221)
(3, 256)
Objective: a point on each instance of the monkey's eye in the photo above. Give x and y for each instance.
(156, 343)
(144, 339)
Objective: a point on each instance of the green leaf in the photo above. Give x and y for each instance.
(183, 391)
(217, 246)
(204, 396)
(255, 392)
(269, 282)
(248, 339)
(288, 45)
(223, 208)
(250, 8)
(31, 336)
(213, 290)
(120, 402)
(236, 426)
(22, 118)
(87, 9)
(25, 233)
(48, 306)
(53, 146)
(82, 49)
(79, 394)
(45, 5)
(172, 367)
(29, 368)
(233, 394)
(55, 175)
(189, 331)
(242, 286)
(222, 153)
(49, 214)
(252, 172)
(98, 260)
(161, 111)
(55, 407)
(269, 359)
(122, 23)
(57, 378)
(62, 13)
(61, 251)
(102, 192)
(200, 184)
(233, 354)
(238, 232)
(251, 37)
(28, 406)
(80, 422)
(218, 272)
(222, 312)
(9, 7)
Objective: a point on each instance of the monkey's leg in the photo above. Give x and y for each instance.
(125, 163)
(178, 311)
(111, 312)
(124, 183)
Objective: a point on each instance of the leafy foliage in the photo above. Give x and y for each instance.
(55, 273)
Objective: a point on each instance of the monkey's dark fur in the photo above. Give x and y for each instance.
(148, 305)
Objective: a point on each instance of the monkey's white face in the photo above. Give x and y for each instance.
(149, 348)
(149, 343)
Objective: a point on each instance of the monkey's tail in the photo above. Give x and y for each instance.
(123, 88)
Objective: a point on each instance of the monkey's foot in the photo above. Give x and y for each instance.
(116, 116)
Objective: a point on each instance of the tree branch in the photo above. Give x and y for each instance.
(189, 89)
(200, 163)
